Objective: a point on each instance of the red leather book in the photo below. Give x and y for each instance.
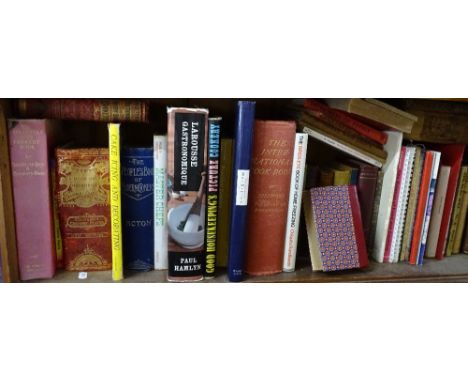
(345, 119)
(421, 208)
(452, 155)
(396, 196)
(270, 176)
(30, 143)
(84, 208)
(84, 109)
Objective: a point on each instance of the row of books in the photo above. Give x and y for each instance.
(195, 201)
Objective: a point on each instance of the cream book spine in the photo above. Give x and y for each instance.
(295, 199)
(160, 202)
(393, 148)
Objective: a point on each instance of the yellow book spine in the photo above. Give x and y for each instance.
(456, 210)
(341, 177)
(115, 202)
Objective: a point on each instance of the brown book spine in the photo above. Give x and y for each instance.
(84, 208)
(272, 156)
(86, 110)
(465, 240)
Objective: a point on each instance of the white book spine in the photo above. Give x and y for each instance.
(342, 147)
(402, 204)
(160, 202)
(295, 199)
(389, 170)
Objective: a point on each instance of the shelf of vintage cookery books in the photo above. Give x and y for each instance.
(451, 269)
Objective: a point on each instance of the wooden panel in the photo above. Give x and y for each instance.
(7, 217)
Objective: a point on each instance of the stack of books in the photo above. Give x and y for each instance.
(196, 199)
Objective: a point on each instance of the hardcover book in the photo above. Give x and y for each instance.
(212, 196)
(30, 144)
(296, 189)
(240, 188)
(224, 206)
(462, 184)
(84, 109)
(83, 189)
(160, 201)
(272, 158)
(137, 208)
(187, 135)
(461, 222)
(336, 236)
(57, 233)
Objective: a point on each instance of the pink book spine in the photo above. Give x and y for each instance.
(396, 196)
(32, 198)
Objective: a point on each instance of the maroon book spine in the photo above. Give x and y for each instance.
(29, 148)
(84, 109)
(358, 229)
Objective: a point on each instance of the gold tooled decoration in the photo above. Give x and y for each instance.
(88, 259)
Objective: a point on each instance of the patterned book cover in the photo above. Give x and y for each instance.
(137, 208)
(338, 227)
(83, 189)
(187, 155)
(84, 109)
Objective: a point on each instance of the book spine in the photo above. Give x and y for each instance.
(358, 229)
(212, 194)
(465, 240)
(160, 202)
(461, 224)
(86, 110)
(240, 188)
(57, 233)
(430, 201)
(347, 121)
(375, 211)
(84, 208)
(295, 201)
(463, 180)
(342, 147)
(187, 135)
(394, 208)
(137, 207)
(422, 207)
(224, 209)
(115, 201)
(272, 158)
(28, 142)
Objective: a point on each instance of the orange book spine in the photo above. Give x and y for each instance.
(421, 208)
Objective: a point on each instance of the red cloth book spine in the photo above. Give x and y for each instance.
(85, 109)
(347, 120)
(396, 196)
(421, 208)
(29, 147)
(358, 228)
(452, 155)
(270, 176)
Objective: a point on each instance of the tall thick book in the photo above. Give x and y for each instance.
(412, 204)
(243, 140)
(389, 176)
(115, 201)
(393, 213)
(84, 109)
(366, 187)
(455, 219)
(137, 208)
(296, 189)
(30, 144)
(83, 188)
(187, 134)
(430, 203)
(160, 193)
(376, 110)
(272, 158)
(212, 196)
(224, 207)
(439, 121)
(334, 226)
(421, 210)
(438, 211)
(328, 114)
(452, 155)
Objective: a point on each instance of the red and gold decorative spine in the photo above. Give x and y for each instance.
(84, 208)
(85, 110)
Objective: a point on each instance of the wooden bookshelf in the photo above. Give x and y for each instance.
(451, 269)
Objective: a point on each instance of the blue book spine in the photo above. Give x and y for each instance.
(240, 187)
(422, 247)
(137, 208)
